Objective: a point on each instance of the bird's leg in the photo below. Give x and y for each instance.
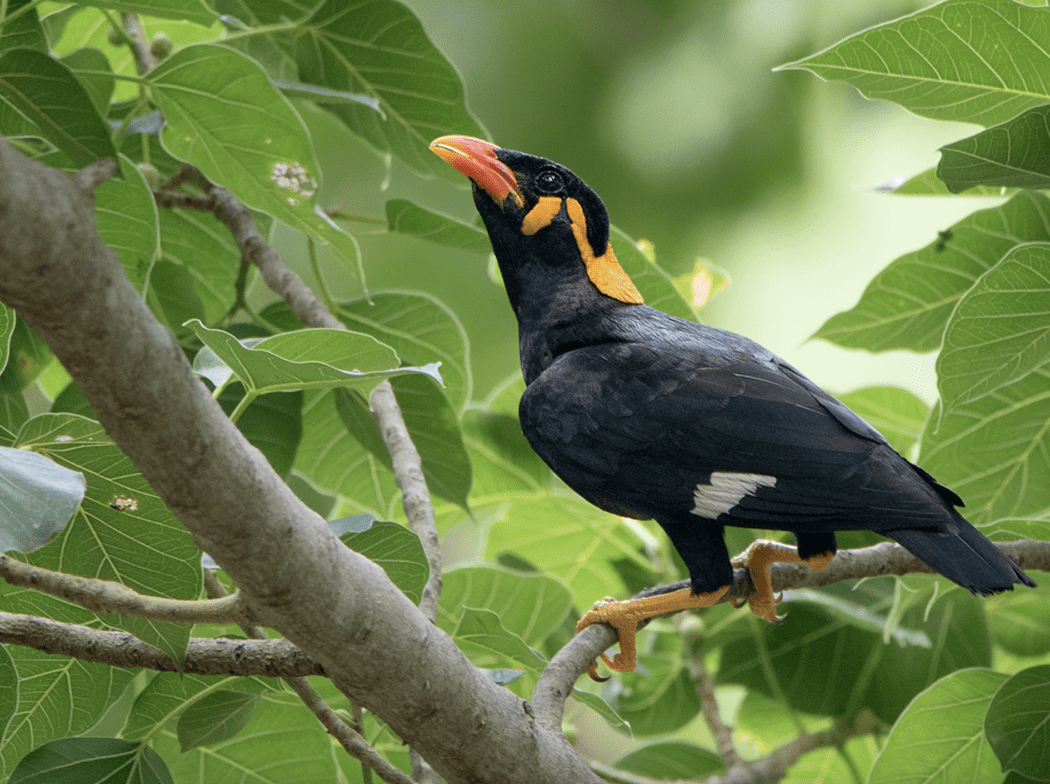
(758, 558)
(625, 616)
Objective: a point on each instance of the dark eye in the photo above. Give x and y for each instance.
(549, 181)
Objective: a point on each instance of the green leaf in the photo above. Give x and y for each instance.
(432, 425)
(394, 547)
(25, 31)
(1018, 723)
(123, 531)
(92, 761)
(671, 761)
(419, 327)
(1018, 621)
(940, 736)
(480, 632)
(928, 183)
(194, 11)
(224, 116)
(504, 464)
(532, 606)
(324, 95)
(168, 695)
(568, 538)
(283, 742)
(995, 451)
(962, 61)
(91, 67)
(215, 717)
(47, 94)
(656, 286)
(1014, 154)
(404, 217)
(205, 250)
(127, 221)
(896, 413)
(381, 50)
(305, 359)
(271, 423)
(37, 498)
(909, 303)
(333, 460)
(57, 696)
(1000, 330)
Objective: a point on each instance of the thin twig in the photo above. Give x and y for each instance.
(111, 597)
(720, 731)
(144, 59)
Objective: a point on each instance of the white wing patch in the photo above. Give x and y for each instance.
(726, 490)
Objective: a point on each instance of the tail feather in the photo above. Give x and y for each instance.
(963, 555)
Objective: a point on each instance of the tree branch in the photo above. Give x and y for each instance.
(109, 597)
(568, 664)
(371, 640)
(205, 656)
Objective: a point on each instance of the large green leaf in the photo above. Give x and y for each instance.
(1018, 620)
(336, 462)
(568, 538)
(1018, 723)
(205, 251)
(433, 427)
(214, 718)
(37, 498)
(1000, 330)
(671, 761)
(25, 31)
(481, 635)
(57, 696)
(223, 115)
(961, 60)
(404, 217)
(127, 221)
(123, 531)
(908, 304)
(927, 183)
(995, 450)
(380, 49)
(91, 761)
(419, 327)
(46, 94)
(305, 359)
(531, 606)
(394, 547)
(283, 742)
(1014, 154)
(940, 737)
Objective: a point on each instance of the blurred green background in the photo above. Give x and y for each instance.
(672, 112)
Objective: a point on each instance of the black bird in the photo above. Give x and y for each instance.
(650, 416)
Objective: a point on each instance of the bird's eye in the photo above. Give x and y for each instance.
(549, 181)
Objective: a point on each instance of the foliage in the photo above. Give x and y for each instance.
(956, 690)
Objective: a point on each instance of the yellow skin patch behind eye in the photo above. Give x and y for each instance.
(604, 271)
(540, 216)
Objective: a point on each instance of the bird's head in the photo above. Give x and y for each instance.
(534, 207)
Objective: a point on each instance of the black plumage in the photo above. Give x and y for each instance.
(650, 416)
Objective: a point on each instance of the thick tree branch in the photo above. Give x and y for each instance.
(294, 573)
(205, 656)
(105, 596)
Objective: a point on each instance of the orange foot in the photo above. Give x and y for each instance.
(758, 558)
(625, 616)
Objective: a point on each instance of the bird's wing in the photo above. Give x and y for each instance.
(746, 444)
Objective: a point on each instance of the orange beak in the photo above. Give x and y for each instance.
(477, 160)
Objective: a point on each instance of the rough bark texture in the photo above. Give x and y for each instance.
(297, 577)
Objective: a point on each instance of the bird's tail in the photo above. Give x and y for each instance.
(963, 555)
